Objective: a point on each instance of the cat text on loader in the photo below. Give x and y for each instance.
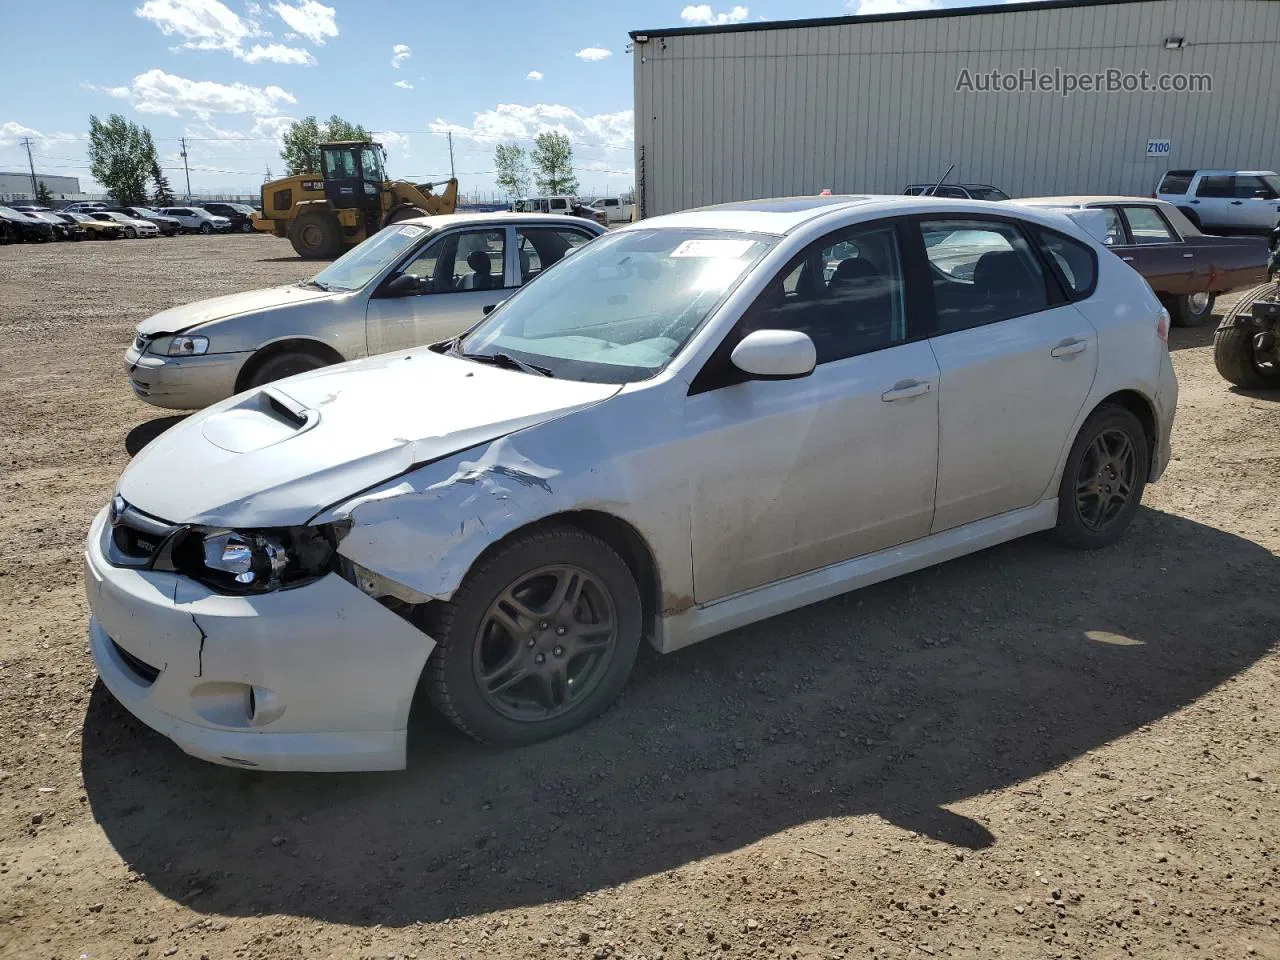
(325, 214)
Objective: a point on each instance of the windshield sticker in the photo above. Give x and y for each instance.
(409, 230)
(713, 249)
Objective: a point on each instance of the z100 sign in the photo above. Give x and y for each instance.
(1158, 148)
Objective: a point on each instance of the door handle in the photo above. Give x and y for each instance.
(1069, 348)
(1236, 203)
(1188, 256)
(1127, 259)
(906, 389)
(1195, 201)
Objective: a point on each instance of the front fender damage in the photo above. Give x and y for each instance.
(416, 539)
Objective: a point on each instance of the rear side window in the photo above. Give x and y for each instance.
(1076, 262)
(1216, 187)
(983, 271)
(1148, 226)
(1176, 181)
(1250, 188)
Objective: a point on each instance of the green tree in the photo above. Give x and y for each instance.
(121, 155)
(552, 158)
(512, 167)
(161, 192)
(43, 196)
(301, 149)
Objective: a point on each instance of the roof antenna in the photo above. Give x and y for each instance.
(934, 191)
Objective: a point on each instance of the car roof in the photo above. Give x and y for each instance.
(1224, 173)
(440, 221)
(1086, 200)
(787, 214)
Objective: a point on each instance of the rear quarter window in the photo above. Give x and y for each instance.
(1176, 181)
(1075, 263)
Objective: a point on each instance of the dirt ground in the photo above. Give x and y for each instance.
(1025, 753)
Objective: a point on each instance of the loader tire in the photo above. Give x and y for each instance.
(316, 236)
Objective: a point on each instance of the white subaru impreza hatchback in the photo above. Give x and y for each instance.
(694, 422)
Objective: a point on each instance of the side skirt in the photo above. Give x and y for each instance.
(738, 610)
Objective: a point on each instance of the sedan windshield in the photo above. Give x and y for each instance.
(362, 263)
(145, 212)
(622, 306)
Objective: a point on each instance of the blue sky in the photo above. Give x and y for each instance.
(231, 74)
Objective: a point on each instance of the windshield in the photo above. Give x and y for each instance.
(144, 211)
(987, 193)
(362, 263)
(241, 207)
(9, 212)
(622, 306)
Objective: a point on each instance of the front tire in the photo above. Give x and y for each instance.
(1103, 479)
(1191, 309)
(206, 228)
(283, 365)
(1233, 356)
(539, 639)
(130, 233)
(316, 236)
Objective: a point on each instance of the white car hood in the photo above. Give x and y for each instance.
(178, 319)
(278, 455)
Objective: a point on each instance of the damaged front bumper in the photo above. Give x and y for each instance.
(317, 678)
(183, 383)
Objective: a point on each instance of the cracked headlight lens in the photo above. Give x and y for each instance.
(188, 346)
(258, 561)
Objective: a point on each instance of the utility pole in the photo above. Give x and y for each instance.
(451, 173)
(26, 142)
(185, 168)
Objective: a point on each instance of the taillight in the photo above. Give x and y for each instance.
(1162, 327)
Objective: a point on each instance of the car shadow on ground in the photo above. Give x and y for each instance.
(897, 700)
(144, 433)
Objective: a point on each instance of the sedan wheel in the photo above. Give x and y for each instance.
(538, 640)
(1103, 480)
(206, 228)
(1192, 309)
(131, 233)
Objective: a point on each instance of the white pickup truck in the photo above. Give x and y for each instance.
(615, 210)
(1228, 201)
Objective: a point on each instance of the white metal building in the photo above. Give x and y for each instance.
(17, 186)
(872, 103)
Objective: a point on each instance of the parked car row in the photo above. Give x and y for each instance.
(76, 221)
(680, 427)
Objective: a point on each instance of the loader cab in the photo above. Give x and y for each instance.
(353, 174)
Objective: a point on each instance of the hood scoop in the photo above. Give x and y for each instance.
(263, 418)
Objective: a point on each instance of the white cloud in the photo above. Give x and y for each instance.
(211, 25)
(12, 132)
(158, 92)
(534, 75)
(404, 84)
(399, 54)
(276, 53)
(516, 121)
(871, 7)
(591, 54)
(702, 15)
(397, 144)
(312, 20)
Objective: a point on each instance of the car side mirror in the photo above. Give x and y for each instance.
(489, 308)
(405, 285)
(775, 355)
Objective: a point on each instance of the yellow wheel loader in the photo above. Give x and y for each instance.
(327, 213)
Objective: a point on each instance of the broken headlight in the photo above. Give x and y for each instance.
(259, 561)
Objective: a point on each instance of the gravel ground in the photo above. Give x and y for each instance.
(1024, 753)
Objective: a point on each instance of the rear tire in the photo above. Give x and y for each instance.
(282, 365)
(316, 236)
(552, 643)
(404, 213)
(1233, 356)
(1103, 479)
(1191, 310)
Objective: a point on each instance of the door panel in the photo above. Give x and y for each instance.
(795, 475)
(1007, 404)
(449, 270)
(1165, 259)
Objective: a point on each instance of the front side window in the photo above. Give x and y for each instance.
(983, 271)
(618, 310)
(845, 292)
(1216, 187)
(1147, 226)
(362, 263)
(461, 261)
(540, 247)
(339, 164)
(371, 164)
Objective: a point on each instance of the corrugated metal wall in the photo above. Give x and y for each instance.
(870, 107)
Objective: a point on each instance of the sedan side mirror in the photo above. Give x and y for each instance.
(405, 285)
(775, 355)
(490, 307)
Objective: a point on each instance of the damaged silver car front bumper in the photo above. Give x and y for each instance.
(316, 678)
